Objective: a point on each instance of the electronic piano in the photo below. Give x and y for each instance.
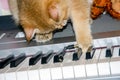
(57, 59)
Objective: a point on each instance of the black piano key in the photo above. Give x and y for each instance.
(108, 53)
(119, 52)
(59, 57)
(77, 55)
(17, 60)
(6, 61)
(47, 57)
(35, 58)
(88, 55)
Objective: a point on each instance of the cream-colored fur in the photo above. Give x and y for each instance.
(45, 16)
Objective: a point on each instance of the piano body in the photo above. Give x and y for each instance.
(56, 59)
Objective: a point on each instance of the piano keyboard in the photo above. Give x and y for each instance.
(97, 67)
(102, 62)
(105, 55)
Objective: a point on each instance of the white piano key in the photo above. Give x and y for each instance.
(79, 71)
(2, 77)
(79, 67)
(11, 73)
(3, 71)
(45, 74)
(34, 70)
(91, 70)
(102, 42)
(95, 43)
(55, 70)
(116, 52)
(68, 72)
(33, 74)
(96, 55)
(115, 62)
(91, 64)
(58, 47)
(22, 75)
(115, 67)
(109, 42)
(118, 40)
(45, 70)
(114, 41)
(102, 55)
(10, 76)
(103, 69)
(103, 64)
(56, 73)
(67, 66)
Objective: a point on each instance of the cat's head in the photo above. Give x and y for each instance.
(56, 15)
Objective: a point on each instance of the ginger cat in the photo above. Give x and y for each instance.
(42, 17)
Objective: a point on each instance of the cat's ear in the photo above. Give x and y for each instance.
(29, 32)
(53, 11)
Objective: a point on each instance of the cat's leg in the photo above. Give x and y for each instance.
(80, 16)
(43, 37)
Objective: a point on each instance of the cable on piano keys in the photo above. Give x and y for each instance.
(6, 61)
(17, 60)
(72, 46)
(59, 57)
(35, 58)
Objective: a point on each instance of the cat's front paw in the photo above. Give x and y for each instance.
(43, 37)
(84, 42)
